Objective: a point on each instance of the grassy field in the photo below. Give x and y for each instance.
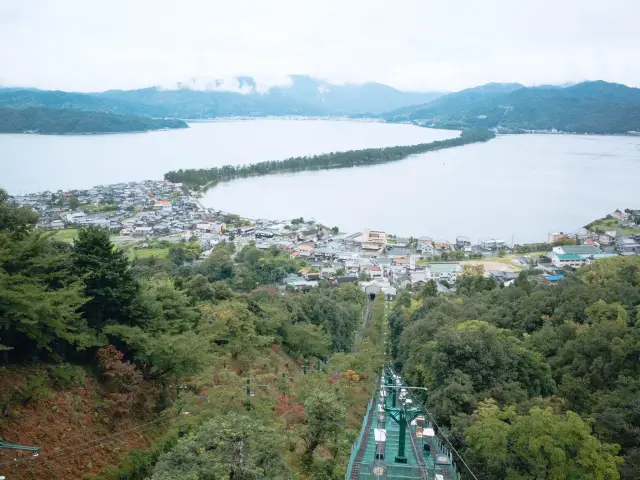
(611, 224)
(149, 252)
(67, 235)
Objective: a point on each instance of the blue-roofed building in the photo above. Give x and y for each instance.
(554, 278)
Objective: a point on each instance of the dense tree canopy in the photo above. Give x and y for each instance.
(71, 121)
(533, 381)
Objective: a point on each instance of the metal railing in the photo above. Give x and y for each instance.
(355, 447)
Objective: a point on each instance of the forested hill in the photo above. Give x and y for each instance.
(351, 158)
(588, 107)
(531, 380)
(140, 369)
(72, 121)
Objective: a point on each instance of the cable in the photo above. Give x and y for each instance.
(410, 394)
(79, 448)
(450, 445)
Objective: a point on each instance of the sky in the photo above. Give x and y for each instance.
(419, 45)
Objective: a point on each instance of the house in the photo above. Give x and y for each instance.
(352, 266)
(504, 278)
(75, 217)
(374, 240)
(142, 231)
(298, 282)
(309, 275)
(306, 249)
(442, 244)
(345, 279)
(443, 271)
(419, 279)
(245, 230)
(396, 251)
(493, 244)
(628, 246)
(605, 239)
(618, 215)
(327, 272)
(375, 271)
(401, 261)
(383, 262)
(57, 225)
(389, 293)
(462, 242)
(210, 227)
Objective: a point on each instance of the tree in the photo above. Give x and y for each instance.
(219, 265)
(325, 418)
(231, 323)
(335, 230)
(536, 446)
(123, 380)
(430, 289)
(73, 202)
(307, 340)
(230, 446)
(39, 296)
(108, 281)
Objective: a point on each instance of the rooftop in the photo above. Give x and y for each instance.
(579, 249)
(444, 267)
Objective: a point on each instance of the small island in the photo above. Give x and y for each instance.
(58, 121)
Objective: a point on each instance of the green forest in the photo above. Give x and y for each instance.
(163, 368)
(204, 362)
(70, 121)
(531, 381)
(352, 158)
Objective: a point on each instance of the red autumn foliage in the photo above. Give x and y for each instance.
(291, 411)
(275, 347)
(123, 380)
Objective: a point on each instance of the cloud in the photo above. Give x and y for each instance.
(410, 44)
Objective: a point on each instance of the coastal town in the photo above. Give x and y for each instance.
(141, 214)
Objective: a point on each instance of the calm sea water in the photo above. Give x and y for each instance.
(522, 186)
(32, 163)
(517, 186)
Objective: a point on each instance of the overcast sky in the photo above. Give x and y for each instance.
(90, 45)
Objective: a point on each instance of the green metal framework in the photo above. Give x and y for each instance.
(401, 451)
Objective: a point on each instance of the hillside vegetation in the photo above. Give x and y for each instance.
(589, 107)
(140, 369)
(71, 121)
(531, 381)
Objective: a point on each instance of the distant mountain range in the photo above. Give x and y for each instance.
(588, 107)
(303, 95)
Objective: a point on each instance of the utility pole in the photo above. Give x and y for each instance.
(248, 403)
(402, 423)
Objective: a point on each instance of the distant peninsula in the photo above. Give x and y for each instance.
(589, 107)
(206, 177)
(66, 121)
